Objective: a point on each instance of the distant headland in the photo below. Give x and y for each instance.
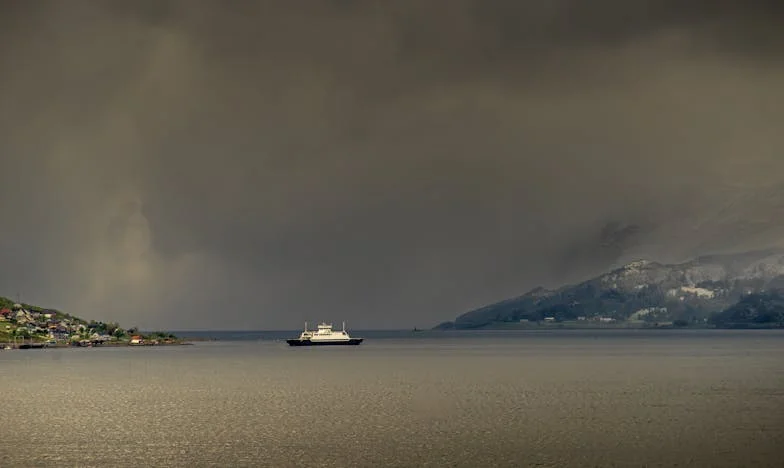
(742, 290)
(28, 326)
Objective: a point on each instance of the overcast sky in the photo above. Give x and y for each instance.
(251, 165)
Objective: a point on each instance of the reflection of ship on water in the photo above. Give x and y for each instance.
(324, 336)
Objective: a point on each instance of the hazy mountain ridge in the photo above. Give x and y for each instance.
(644, 291)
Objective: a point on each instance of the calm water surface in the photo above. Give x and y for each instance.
(563, 398)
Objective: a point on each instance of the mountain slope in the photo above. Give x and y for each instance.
(644, 291)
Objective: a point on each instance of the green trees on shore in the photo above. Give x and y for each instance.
(761, 309)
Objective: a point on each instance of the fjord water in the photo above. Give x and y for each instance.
(473, 399)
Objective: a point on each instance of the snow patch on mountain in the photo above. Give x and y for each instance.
(699, 292)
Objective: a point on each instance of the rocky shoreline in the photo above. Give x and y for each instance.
(122, 344)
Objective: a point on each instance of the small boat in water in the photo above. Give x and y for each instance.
(324, 336)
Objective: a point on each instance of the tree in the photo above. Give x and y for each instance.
(762, 308)
(111, 327)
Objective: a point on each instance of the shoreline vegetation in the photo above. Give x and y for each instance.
(617, 325)
(25, 326)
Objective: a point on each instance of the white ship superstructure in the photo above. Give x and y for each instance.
(324, 335)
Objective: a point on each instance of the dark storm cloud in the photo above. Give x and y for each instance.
(255, 164)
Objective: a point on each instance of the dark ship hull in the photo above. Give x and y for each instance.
(349, 342)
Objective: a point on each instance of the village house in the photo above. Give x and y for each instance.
(136, 340)
(58, 332)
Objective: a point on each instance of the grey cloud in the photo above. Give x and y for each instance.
(241, 164)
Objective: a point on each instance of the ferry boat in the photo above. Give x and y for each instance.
(324, 336)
